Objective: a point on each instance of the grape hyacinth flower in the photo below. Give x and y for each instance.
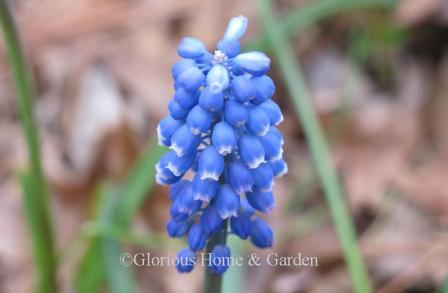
(222, 131)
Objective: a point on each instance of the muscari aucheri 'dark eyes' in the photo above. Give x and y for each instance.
(222, 127)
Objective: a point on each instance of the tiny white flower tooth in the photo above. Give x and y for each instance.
(210, 175)
(173, 169)
(258, 161)
(179, 150)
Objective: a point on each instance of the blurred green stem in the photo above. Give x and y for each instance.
(296, 86)
(212, 282)
(306, 15)
(37, 187)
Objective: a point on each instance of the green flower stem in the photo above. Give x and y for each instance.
(292, 75)
(306, 15)
(37, 193)
(213, 283)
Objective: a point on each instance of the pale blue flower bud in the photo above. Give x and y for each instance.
(180, 66)
(191, 48)
(191, 79)
(177, 188)
(185, 260)
(279, 168)
(243, 89)
(211, 221)
(211, 101)
(231, 49)
(235, 113)
(178, 228)
(199, 120)
(251, 151)
(264, 88)
(227, 202)
(167, 126)
(185, 204)
(258, 123)
(204, 189)
(224, 138)
(272, 146)
(183, 142)
(186, 99)
(211, 164)
(255, 63)
(176, 111)
(218, 264)
(240, 177)
(218, 79)
(235, 29)
(263, 177)
(261, 201)
(241, 225)
(196, 237)
(273, 111)
(261, 235)
(177, 165)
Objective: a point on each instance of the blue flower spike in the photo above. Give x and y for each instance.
(222, 131)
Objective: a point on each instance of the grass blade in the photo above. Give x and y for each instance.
(292, 75)
(36, 199)
(310, 14)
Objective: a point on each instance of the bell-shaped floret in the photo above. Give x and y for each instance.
(251, 151)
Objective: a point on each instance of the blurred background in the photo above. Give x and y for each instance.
(377, 72)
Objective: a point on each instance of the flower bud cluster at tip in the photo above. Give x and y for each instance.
(222, 129)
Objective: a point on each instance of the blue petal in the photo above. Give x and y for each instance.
(183, 142)
(235, 113)
(255, 63)
(240, 177)
(261, 201)
(258, 121)
(261, 235)
(227, 202)
(165, 176)
(204, 189)
(177, 165)
(211, 164)
(196, 238)
(219, 259)
(185, 205)
(191, 48)
(279, 168)
(251, 151)
(180, 66)
(273, 111)
(246, 208)
(277, 133)
(186, 99)
(224, 138)
(243, 89)
(167, 126)
(178, 228)
(185, 260)
(176, 111)
(272, 146)
(263, 177)
(191, 79)
(218, 79)
(230, 48)
(199, 120)
(211, 101)
(241, 225)
(236, 28)
(177, 188)
(211, 221)
(264, 88)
